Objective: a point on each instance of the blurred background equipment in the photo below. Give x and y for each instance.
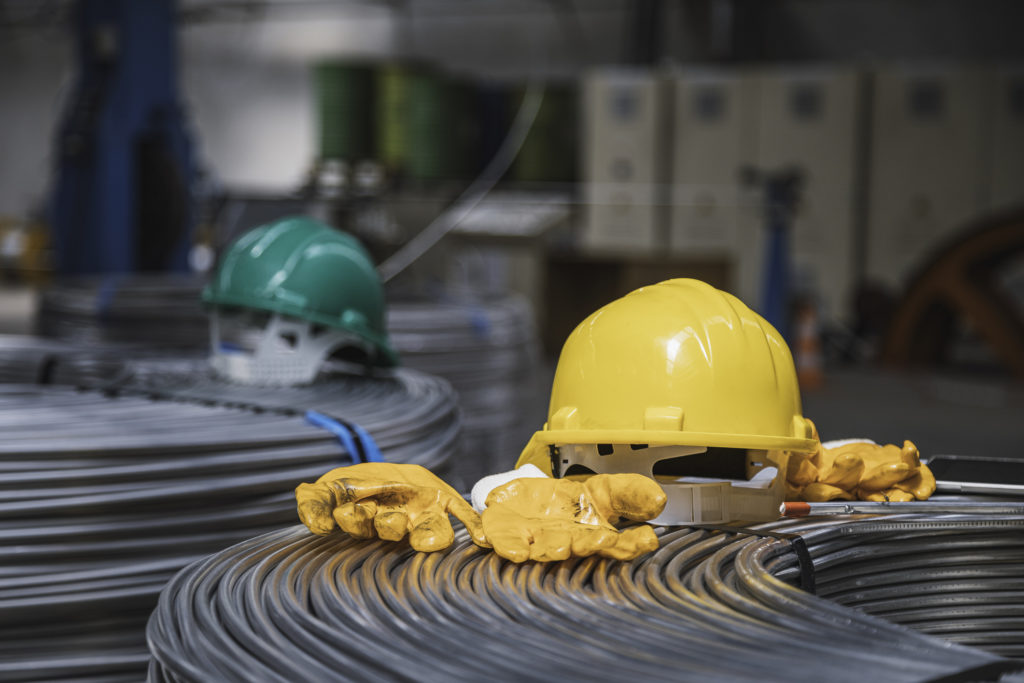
(488, 349)
(123, 195)
(959, 301)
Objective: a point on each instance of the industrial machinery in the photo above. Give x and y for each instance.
(125, 166)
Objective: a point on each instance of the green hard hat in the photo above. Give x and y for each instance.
(304, 269)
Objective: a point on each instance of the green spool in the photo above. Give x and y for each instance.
(432, 128)
(344, 107)
(548, 153)
(392, 112)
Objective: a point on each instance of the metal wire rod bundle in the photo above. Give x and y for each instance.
(105, 495)
(962, 583)
(154, 311)
(289, 606)
(487, 350)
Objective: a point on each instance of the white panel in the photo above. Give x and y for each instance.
(927, 173)
(808, 119)
(1007, 139)
(714, 120)
(624, 151)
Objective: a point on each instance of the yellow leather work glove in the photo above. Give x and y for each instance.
(802, 469)
(867, 471)
(550, 519)
(387, 501)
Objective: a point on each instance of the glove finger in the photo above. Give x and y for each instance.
(551, 545)
(507, 534)
(884, 496)
(315, 503)
(630, 496)
(885, 476)
(819, 493)
(921, 484)
(391, 525)
(356, 519)
(632, 543)
(800, 471)
(847, 469)
(909, 454)
(896, 495)
(469, 517)
(587, 540)
(431, 531)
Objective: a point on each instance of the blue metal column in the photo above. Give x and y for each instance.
(123, 153)
(782, 191)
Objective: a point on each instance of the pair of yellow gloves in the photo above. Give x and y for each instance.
(525, 519)
(859, 470)
(552, 519)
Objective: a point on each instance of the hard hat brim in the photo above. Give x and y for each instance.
(674, 438)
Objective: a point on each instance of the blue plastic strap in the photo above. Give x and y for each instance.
(481, 323)
(370, 449)
(105, 294)
(357, 441)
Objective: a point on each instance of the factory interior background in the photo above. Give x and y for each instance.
(661, 129)
(853, 170)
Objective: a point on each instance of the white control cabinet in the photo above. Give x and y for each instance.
(928, 161)
(810, 119)
(626, 144)
(1006, 139)
(714, 121)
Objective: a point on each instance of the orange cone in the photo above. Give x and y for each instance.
(810, 363)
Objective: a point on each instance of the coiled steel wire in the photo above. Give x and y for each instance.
(146, 311)
(104, 495)
(488, 350)
(290, 606)
(490, 353)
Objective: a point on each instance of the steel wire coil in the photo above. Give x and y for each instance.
(289, 606)
(490, 353)
(488, 350)
(104, 495)
(146, 311)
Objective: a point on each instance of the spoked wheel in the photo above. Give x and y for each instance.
(962, 283)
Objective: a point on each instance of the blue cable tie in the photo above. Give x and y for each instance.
(481, 323)
(370, 449)
(369, 452)
(105, 294)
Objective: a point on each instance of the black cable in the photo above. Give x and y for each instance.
(104, 495)
(706, 606)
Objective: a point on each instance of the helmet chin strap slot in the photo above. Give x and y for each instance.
(621, 458)
(285, 352)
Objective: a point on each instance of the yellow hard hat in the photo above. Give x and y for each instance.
(678, 363)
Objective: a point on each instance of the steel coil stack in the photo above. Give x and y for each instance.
(105, 493)
(490, 354)
(706, 606)
(487, 350)
(149, 312)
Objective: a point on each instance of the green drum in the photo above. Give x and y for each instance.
(549, 152)
(344, 92)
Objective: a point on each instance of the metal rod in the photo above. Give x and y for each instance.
(799, 509)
